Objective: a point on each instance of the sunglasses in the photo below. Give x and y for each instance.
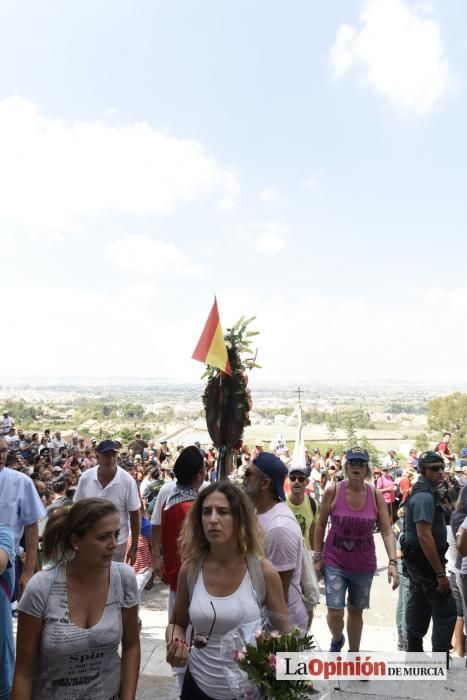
(301, 479)
(438, 468)
(250, 472)
(200, 640)
(357, 463)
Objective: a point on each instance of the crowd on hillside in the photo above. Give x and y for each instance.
(79, 510)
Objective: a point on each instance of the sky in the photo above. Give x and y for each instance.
(305, 161)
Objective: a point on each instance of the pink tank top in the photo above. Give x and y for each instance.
(350, 543)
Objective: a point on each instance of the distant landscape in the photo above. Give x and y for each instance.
(388, 415)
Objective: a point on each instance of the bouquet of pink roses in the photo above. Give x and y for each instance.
(259, 662)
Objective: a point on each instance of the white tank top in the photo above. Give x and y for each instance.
(209, 666)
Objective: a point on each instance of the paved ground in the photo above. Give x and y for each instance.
(379, 634)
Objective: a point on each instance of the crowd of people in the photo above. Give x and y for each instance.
(80, 515)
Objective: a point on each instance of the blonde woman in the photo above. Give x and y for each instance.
(348, 558)
(223, 583)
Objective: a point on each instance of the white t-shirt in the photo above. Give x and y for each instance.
(283, 548)
(12, 442)
(6, 424)
(122, 491)
(162, 497)
(56, 444)
(74, 662)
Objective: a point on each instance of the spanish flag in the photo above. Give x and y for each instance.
(211, 348)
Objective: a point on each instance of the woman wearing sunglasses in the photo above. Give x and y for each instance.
(223, 584)
(348, 556)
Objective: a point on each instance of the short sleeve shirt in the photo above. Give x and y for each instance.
(20, 504)
(421, 507)
(122, 491)
(6, 424)
(304, 517)
(7, 648)
(76, 663)
(162, 497)
(283, 548)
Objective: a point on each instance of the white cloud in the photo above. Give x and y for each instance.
(271, 194)
(55, 174)
(400, 52)
(144, 256)
(268, 237)
(226, 203)
(311, 183)
(135, 331)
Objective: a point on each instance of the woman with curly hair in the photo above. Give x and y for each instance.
(224, 582)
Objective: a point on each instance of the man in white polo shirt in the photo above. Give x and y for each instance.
(110, 481)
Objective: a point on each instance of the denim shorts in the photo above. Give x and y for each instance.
(338, 581)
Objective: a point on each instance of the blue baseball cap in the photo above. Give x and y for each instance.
(357, 453)
(107, 446)
(272, 467)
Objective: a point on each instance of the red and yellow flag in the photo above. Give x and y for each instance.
(211, 348)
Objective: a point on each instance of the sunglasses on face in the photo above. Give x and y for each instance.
(437, 468)
(300, 479)
(357, 463)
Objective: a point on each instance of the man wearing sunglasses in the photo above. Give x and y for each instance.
(301, 504)
(264, 482)
(424, 546)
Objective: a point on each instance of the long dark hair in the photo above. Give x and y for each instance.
(72, 520)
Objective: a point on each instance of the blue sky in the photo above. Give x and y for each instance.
(303, 160)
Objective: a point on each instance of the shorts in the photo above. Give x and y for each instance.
(456, 594)
(338, 581)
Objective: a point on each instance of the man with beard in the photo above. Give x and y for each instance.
(264, 482)
(423, 544)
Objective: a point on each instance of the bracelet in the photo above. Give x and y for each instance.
(392, 561)
(441, 574)
(317, 556)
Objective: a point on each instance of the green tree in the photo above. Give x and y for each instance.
(350, 432)
(450, 413)
(371, 448)
(331, 424)
(422, 442)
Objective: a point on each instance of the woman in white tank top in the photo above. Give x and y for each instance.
(215, 590)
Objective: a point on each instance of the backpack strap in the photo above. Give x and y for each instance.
(312, 504)
(253, 563)
(192, 574)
